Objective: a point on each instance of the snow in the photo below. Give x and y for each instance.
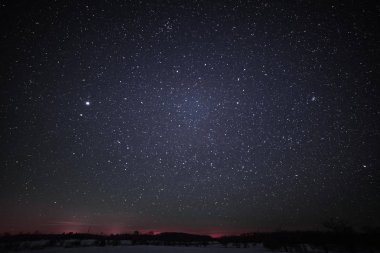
(34, 244)
(87, 243)
(153, 249)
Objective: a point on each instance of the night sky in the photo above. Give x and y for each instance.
(215, 117)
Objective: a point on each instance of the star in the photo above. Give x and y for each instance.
(197, 106)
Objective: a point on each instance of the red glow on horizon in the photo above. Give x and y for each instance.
(77, 227)
(114, 227)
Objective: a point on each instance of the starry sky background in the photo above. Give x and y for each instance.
(198, 116)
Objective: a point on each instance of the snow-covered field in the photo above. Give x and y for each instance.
(151, 249)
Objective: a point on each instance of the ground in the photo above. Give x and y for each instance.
(152, 249)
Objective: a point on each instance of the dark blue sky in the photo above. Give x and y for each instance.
(198, 116)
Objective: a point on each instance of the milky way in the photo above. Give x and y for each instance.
(198, 116)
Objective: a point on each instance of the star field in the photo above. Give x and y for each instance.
(199, 116)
